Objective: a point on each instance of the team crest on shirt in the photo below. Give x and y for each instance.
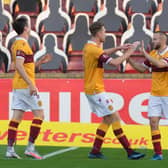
(110, 107)
(40, 103)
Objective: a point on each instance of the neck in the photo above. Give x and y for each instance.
(96, 40)
(24, 35)
(162, 48)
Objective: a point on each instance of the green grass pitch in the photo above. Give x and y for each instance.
(116, 158)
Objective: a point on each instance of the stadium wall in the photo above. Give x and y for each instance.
(68, 118)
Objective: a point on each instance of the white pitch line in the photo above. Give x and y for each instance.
(59, 152)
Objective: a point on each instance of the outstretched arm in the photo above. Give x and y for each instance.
(158, 63)
(126, 55)
(113, 50)
(136, 65)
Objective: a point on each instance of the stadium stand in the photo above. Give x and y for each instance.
(135, 6)
(53, 20)
(74, 41)
(148, 8)
(89, 7)
(110, 42)
(158, 22)
(5, 21)
(61, 16)
(58, 60)
(138, 32)
(5, 57)
(31, 8)
(34, 39)
(114, 20)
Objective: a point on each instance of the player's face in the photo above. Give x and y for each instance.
(28, 29)
(102, 34)
(156, 41)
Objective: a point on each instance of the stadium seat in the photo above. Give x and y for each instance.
(5, 21)
(159, 20)
(58, 59)
(138, 32)
(115, 21)
(34, 39)
(140, 6)
(5, 57)
(53, 20)
(30, 7)
(89, 7)
(148, 8)
(75, 40)
(110, 42)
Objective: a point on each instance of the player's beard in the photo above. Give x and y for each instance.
(156, 46)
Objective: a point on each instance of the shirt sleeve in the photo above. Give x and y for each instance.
(104, 59)
(147, 64)
(20, 54)
(165, 60)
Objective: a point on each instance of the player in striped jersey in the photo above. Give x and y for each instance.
(94, 57)
(25, 92)
(157, 62)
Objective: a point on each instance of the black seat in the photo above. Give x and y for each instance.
(34, 39)
(110, 42)
(5, 57)
(30, 6)
(138, 32)
(115, 21)
(5, 20)
(76, 38)
(159, 20)
(58, 60)
(140, 6)
(54, 20)
(83, 6)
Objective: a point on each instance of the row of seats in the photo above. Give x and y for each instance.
(67, 39)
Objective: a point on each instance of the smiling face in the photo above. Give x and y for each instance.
(159, 40)
(156, 41)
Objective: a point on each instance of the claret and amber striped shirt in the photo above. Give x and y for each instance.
(93, 59)
(21, 49)
(159, 75)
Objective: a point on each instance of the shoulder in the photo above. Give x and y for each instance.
(153, 52)
(19, 44)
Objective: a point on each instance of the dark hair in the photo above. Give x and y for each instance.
(95, 27)
(19, 24)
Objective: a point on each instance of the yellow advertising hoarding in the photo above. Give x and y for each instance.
(79, 134)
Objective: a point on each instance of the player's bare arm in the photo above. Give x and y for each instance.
(136, 65)
(158, 63)
(126, 55)
(19, 67)
(113, 50)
